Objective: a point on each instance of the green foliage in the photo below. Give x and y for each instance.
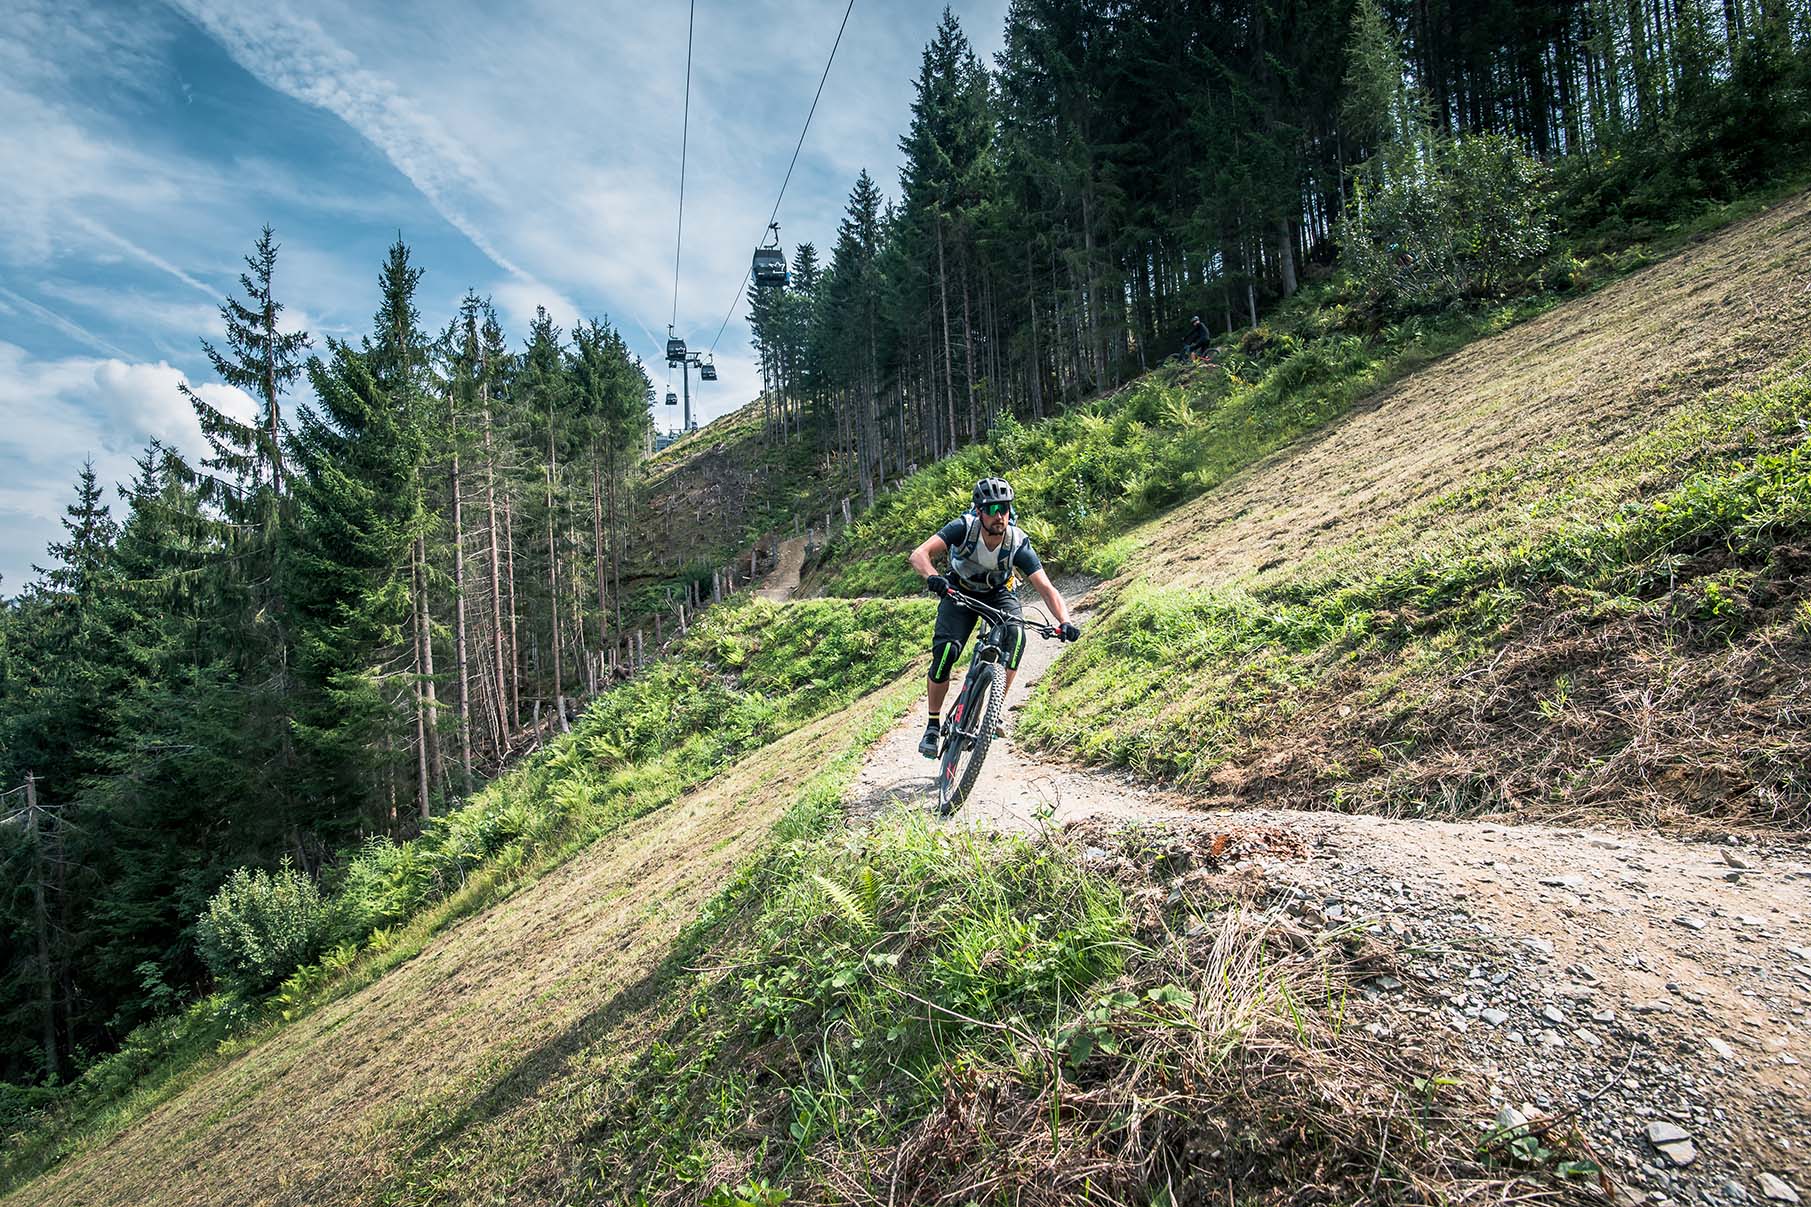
(748, 672)
(261, 925)
(1458, 223)
(1087, 476)
(872, 955)
(1171, 679)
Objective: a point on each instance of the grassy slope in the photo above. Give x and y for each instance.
(1557, 572)
(520, 1054)
(715, 492)
(326, 1109)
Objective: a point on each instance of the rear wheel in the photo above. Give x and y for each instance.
(963, 755)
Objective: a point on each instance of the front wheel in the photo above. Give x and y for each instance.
(966, 748)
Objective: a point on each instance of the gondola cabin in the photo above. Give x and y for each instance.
(707, 372)
(675, 350)
(770, 268)
(672, 399)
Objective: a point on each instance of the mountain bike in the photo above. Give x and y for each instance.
(968, 727)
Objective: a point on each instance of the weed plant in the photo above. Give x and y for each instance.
(922, 1015)
(1682, 526)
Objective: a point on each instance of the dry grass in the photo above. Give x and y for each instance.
(320, 1112)
(1580, 381)
(1230, 1069)
(1577, 718)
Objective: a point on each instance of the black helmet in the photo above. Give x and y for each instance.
(992, 490)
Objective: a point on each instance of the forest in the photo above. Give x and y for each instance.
(412, 560)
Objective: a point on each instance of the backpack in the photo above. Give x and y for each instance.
(961, 554)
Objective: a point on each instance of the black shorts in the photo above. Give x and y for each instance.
(955, 623)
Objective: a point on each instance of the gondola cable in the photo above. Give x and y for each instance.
(685, 125)
(774, 216)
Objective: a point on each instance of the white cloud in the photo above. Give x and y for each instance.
(60, 411)
(152, 258)
(51, 318)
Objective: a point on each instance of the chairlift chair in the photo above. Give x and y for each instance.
(770, 262)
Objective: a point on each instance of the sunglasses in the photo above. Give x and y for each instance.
(996, 509)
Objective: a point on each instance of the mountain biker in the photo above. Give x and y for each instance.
(1196, 342)
(987, 553)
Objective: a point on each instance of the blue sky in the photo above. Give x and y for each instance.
(530, 152)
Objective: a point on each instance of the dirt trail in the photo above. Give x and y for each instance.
(783, 579)
(1630, 978)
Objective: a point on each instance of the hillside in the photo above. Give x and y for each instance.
(735, 990)
(718, 492)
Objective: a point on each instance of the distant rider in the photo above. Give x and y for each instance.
(987, 554)
(1197, 343)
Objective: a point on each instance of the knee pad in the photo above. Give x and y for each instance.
(1012, 643)
(943, 660)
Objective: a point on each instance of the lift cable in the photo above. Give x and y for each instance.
(771, 218)
(685, 125)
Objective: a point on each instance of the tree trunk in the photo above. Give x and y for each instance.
(515, 637)
(553, 578)
(423, 794)
(949, 372)
(436, 758)
(47, 1004)
(1286, 255)
(460, 654)
(496, 582)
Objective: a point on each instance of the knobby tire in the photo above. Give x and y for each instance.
(950, 799)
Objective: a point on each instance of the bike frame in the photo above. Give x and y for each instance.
(970, 710)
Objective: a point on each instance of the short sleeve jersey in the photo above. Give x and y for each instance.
(1024, 559)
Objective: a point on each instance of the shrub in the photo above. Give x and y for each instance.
(261, 925)
(1458, 220)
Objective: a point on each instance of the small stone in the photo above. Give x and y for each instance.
(1387, 983)
(1732, 1190)
(1775, 1189)
(1689, 922)
(1605, 1017)
(1493, 1016)
(1553, 1015)
(1544, 946)
(1510, 1122)
(1661, 1132)
(1720, 1048)
(1605, 844)
(1683, 1153)
(1735, 861)
(1550, 1039)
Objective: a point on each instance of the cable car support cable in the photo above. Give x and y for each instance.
(773, 217)
(685, 125)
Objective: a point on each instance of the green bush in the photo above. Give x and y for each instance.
(261, 926)
(1457, 221)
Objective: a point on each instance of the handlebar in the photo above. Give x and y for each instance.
(997, 617)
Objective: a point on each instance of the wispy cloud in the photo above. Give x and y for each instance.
(51, 318)
(296, 56)
(132, 249)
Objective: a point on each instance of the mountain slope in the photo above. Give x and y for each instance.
(326, 1109)
(516, 1056)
